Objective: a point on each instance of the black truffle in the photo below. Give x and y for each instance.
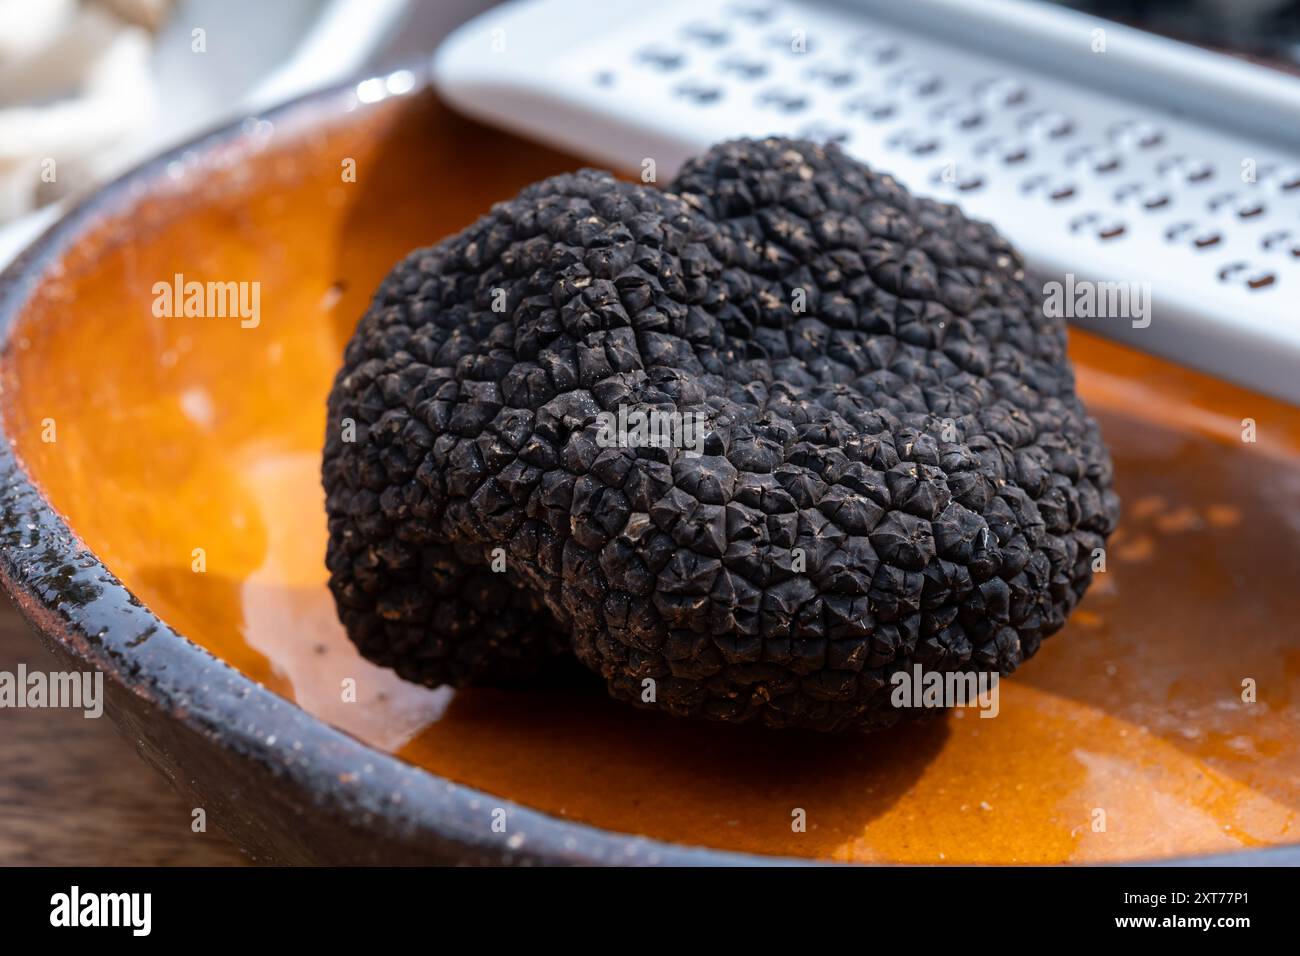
(892, 467)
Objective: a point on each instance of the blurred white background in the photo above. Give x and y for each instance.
(88, 88)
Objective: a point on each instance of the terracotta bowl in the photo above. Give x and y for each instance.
(163, 522)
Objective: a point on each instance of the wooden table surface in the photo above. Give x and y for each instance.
(73, 792)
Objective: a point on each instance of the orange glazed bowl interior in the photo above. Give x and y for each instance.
(183, 453)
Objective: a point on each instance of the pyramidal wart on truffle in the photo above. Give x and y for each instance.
(894, 468)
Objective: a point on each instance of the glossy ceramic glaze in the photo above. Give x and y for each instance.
(184, 454)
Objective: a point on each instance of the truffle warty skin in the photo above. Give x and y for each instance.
(894, 468)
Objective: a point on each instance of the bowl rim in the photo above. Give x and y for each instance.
(77, 604)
